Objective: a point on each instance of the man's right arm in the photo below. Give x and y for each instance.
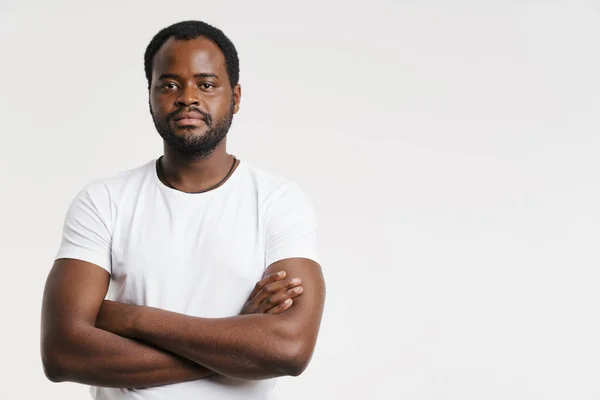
(73, 349)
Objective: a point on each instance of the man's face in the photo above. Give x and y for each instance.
(191, 100)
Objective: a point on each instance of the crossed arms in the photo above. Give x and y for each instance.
(88, 340)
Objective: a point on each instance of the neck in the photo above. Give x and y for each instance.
(192, 175)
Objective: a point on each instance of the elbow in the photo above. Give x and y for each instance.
(63, 353)
(52, 366)
(297, 357)
(56, 355)
(52, 374)
(298, 364)
(295, 349)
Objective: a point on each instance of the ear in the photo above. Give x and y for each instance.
(237, 97)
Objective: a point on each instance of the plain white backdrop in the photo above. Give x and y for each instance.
(450, 147)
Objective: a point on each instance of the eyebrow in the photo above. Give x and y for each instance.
(200, 75)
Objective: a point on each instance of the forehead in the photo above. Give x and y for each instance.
(189, 57)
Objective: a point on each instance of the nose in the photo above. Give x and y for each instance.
(188, 96)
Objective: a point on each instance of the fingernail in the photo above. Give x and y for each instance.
(288, 301)
(281, 273)
(296, 280)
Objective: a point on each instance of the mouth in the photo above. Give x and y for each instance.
(189, 121)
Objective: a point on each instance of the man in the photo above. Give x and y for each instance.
(215, 286)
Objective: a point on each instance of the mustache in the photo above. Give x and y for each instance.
(206, 116)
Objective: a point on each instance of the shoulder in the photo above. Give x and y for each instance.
(282, 201)
(111, 186)
(272, 188)
(102, 196)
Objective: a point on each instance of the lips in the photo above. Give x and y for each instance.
(189, 119)
(188, 116)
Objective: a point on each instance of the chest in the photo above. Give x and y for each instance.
(198, 259)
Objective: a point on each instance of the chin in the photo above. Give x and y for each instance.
(189, 131)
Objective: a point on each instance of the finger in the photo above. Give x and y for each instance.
(255, 299)
(265, 281)
(279, 298)
(276, 287)
(281, 307)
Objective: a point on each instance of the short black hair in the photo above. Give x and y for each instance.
(187, 30)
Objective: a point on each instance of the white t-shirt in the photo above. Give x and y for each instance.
(196, 254)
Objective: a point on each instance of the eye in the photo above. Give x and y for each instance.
(169, 86)
(206, 85)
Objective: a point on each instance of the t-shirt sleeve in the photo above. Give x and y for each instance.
(291, 226)
(86, 231)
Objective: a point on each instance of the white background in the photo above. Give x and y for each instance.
(451, 149)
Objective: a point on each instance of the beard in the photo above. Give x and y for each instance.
(192, 145)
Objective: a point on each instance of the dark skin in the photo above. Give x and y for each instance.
(188, 74)
(75, 349)
(259, 346)
(89, 340)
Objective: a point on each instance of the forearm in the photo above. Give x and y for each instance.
(92, 356)
(257, 346)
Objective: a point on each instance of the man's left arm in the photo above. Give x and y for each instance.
(256, 346)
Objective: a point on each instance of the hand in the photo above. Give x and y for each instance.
(272, 295)
(115, 317)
